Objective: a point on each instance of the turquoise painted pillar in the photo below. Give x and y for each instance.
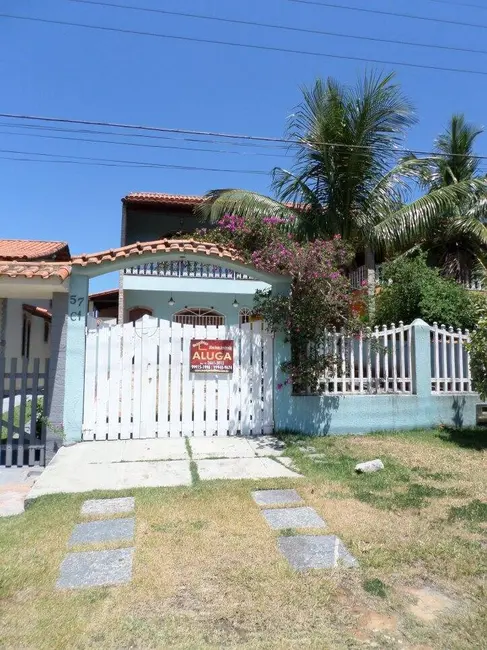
(282, 353)
(421, 358)
(75, 357)
(282, 385)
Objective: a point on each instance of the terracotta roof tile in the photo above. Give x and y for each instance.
(42, 270)
(31, 249)
(38, 311)
(104, 294)
(159, 246)
(163, 199)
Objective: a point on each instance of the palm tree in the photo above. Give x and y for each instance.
(456, 241)
(348, 178)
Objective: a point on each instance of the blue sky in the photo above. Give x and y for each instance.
(71, 72)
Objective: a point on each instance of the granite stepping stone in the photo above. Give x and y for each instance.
(304, 517)
(96, 569)
(95, 532)
(108, 506)
(315, 552)
(275, 497)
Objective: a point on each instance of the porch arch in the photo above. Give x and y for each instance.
(86, 266)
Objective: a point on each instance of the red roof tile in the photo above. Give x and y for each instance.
(31, 249)
(159, 246)
(163, 199)
(38, 311)
(29, 270)
(104, 294)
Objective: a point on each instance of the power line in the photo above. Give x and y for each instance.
(381, 12)
(267, 48)
(458, 4)
(142, 165)
(217, 134)
(175, 138)
(140, 144)
(302, 30)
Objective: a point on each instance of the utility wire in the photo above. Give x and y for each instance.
(140, 144)
(381, 12)
(175, 138)
(302, 30)
(217, 134)
(267, 48)
(142, 165)
(458, 4)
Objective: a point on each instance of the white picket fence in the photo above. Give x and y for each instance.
(373, 361)
(138, 382)
(450, 361)
(380, 361)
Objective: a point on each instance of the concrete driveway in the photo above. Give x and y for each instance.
(123, 464)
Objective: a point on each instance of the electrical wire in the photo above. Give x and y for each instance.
(140, 164)
(140, 144)
(218, 134)
(381, 12)
(233, 143)
(253, 46)
(302, 30)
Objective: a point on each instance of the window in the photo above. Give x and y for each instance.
(136, 313)
(26, 327)
(46, 331)
(199, 316)
(244, 315)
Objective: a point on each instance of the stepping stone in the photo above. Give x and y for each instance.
(315, 552)
(112, 530)
(96, 569)
(304, 517)
(107, 506)
(275, 497)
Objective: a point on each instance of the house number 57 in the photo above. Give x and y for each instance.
(75, 304)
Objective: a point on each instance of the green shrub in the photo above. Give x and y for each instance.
(411, 289)
(478, 357)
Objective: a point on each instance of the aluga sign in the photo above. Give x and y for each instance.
(211, 355)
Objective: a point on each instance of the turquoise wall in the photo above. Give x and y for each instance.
(338, 414)
(158, 302)
(322, 415)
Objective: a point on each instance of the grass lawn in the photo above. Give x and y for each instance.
(207, 572)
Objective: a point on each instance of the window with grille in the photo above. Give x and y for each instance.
(199, 316)
(245, 315)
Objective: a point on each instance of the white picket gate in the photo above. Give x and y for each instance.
(138, 382)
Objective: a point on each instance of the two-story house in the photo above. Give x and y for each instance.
(179, 291)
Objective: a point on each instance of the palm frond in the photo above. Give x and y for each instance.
(243, 203)
(415, 220)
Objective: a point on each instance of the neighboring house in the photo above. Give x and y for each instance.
(26, 304)
(179, 291)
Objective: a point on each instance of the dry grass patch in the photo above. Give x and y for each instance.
(208, 574)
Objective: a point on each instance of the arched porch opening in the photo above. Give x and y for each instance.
(84, 267)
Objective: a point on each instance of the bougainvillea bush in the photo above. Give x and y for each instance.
(320, 296)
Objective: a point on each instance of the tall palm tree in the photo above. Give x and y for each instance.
(457, 240)
(348, 178)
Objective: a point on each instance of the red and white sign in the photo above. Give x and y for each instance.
(211, 355)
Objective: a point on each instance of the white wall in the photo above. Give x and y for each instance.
(13, 332)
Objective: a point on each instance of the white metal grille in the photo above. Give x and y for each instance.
(199, 316)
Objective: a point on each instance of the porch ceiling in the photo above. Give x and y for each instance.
(94, 264)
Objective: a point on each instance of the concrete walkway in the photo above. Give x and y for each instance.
(15, 483)
(124, 464)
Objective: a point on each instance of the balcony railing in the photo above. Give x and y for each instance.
(185, 270)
